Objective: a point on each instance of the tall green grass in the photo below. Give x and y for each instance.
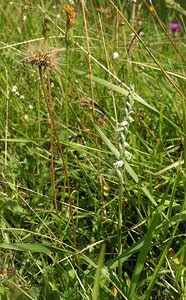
(116, 233)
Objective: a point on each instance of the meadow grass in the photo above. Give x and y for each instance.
(93, 156)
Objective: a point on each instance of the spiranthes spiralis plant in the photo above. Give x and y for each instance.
(122, 155)
(46, 59)
(122, 133)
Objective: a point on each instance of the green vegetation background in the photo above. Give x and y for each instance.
(39, 258)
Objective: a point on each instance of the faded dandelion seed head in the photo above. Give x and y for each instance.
(41, 56)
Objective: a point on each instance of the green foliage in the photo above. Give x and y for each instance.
(89, 92)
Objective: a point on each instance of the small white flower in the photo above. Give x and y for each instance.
(126, 144)
(115, 55)
(17, 93)
(14, 88)
(124, 123)
(119, 129)
(130, 119)
(58, 16)
(71, 1)
(52, 85)
(122, 126)
(30, 106)
(24, 18)
(128, 155)
(118, 164)
(25, 117)
(22, 97)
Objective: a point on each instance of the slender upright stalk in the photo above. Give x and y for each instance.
(122, 132)
(46, 32)
(89, 57)
(133, 16)
(51, 140)
(7, 115)
(120, 219)
(91, 87)
(60, 150)
(66, 92)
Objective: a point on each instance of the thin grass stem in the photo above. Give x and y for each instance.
(66, 91)
(91, 88)
(51, 140)
(7, 115)
(61, 152)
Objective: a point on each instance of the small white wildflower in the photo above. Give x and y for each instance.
(122, 126)
(128, 155)
(130, 119)
(22, 97)
(30, 106)
(52, 85)
(58, 16)
(71, 1)
(25, 117)
(115, 55)
(126, 144)
(124, 123)
(119, 164)
(17, 93)
(119, 129)
(14, 88)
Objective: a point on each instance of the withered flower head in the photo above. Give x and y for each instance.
(70, 14)
(41, 56)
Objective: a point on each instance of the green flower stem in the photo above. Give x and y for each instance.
(120, 218)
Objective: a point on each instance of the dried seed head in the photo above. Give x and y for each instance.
(41, 56)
